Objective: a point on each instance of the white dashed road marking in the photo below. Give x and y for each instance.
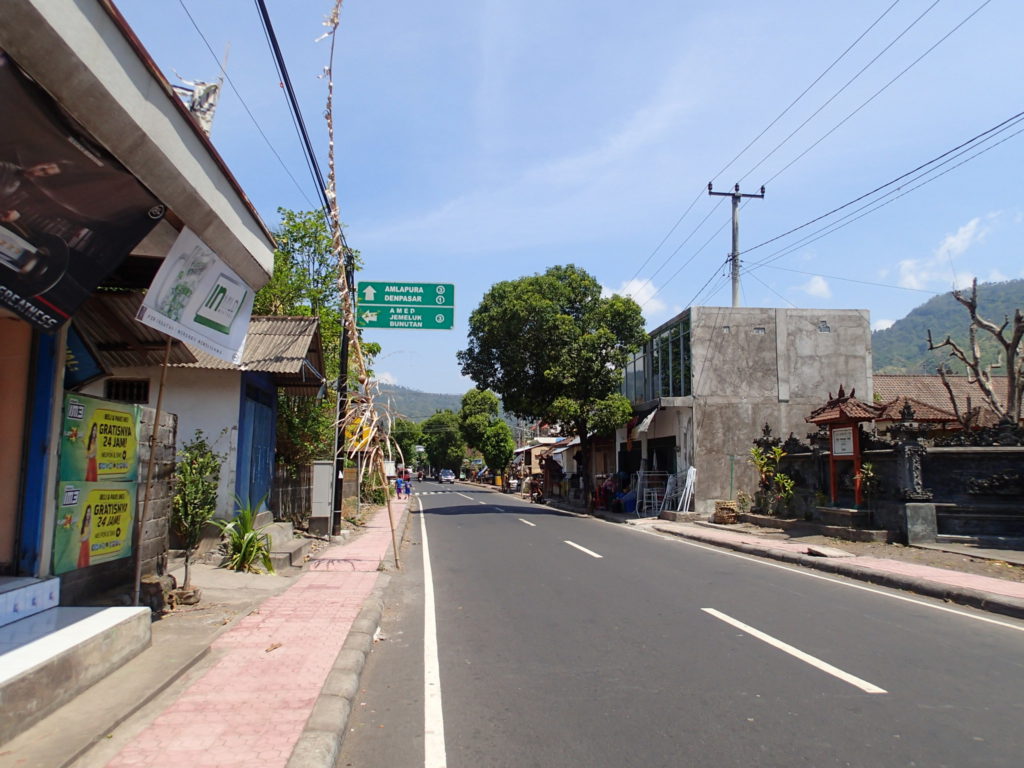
(824, 666)
(583, 549)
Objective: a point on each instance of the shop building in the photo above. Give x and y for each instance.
(709, 379)
(102, 168)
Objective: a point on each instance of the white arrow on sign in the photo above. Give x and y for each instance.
(369, 293)
(369, 317)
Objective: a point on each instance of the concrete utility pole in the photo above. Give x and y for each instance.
(734, 257)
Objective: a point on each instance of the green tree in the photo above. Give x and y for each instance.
(554, 349)
(479, 411)
(196, 476)
(497, 446)
(407, 435)
(305, 283)
(443, 440)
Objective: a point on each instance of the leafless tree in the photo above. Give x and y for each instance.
(1011, 356)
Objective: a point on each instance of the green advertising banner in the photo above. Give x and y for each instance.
(94, 524)
(100, 440)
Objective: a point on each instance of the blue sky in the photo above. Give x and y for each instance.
(485, 140)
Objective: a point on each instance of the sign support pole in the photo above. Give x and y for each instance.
(141, 517)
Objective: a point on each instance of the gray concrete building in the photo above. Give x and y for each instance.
(710, 378)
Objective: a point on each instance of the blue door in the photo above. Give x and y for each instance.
(256, 438)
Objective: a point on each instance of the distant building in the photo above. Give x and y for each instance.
(710, 378)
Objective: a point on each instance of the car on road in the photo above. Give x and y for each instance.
(446, 476)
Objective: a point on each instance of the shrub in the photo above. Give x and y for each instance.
(196, 477)
(248, 547)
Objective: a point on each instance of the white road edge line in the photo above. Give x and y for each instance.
(811, 575)
(815, 662)
(582, 549)
(532, 525)
(434, 755)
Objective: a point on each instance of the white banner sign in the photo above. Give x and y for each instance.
(198, 299)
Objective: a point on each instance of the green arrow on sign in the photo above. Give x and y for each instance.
(408, 318)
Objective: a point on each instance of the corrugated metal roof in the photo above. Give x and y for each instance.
(107, 321)
(273, 345)
(277, 345)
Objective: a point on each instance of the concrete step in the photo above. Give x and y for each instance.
(49, 658)
(280, 535)
(291, 553)
(21, 597)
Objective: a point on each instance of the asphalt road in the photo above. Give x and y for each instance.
(664, 653)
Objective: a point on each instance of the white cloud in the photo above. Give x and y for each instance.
(881, 325)
(385, 378)
(996, 276)
(817, 286)
(940, 268)
(643, 293)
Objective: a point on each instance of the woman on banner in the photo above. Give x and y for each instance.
(85, 535)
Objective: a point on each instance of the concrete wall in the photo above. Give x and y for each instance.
(743, 378)
(201, 399)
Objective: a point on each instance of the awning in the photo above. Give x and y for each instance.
(644, 425)
(286, 347)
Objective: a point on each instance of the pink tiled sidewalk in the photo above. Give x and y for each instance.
(251, 706)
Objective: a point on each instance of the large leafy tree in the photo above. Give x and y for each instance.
(305, 283)
(478, 412)
(407, 435)
(497, 446)
(442, 437)
(554, 349)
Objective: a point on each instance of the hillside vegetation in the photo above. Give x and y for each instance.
(903, 348)
(416, 406)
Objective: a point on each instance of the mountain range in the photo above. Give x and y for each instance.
(903, 347)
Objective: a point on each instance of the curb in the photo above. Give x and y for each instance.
(973, 598)
(324, 732)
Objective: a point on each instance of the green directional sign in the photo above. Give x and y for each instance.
(420, 306)
(417, 318)
(406, 294)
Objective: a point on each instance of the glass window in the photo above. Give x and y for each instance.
(677, 362)
(687, 366)
(665, 371)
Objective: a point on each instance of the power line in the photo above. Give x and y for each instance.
(666, 237)
(995, 130)
(300, 124)
(837, 93)
(685, 241)
(762, 282)
(816, 80)
(743, 151)
(878, 92)
(847, 280)
(850, 218)
(685, 263)
(245, 106)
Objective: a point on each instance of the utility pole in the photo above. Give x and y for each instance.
(343, 394)
(734, 257)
